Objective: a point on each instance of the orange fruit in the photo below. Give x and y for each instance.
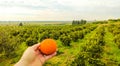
(48, 46)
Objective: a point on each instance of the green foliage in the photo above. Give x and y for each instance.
(100, 22)
(55, 35)
(77, 22)
(115, 30)
(84, 59)
(31, 41)
(44, 35)
(77, 35)
(91, 53)
(21, 24)
(66, 40)
(113, 20)
(14, 40)
(8, 45)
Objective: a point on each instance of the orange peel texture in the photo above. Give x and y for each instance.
(48, 46)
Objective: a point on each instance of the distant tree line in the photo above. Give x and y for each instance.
(114, 20)
(100, 22)
(77, 22)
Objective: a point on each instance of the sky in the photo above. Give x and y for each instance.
(55, 10)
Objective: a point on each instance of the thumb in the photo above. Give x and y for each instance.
(50, 56)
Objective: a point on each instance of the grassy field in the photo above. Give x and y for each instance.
(35, 22)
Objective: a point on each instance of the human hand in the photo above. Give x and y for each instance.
(33, 57)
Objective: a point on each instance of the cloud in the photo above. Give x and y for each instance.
(59, 9)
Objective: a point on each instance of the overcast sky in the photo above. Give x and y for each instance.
(59, 9)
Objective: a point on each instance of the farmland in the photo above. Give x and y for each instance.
(78, 45)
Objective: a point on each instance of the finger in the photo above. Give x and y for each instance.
(35, 47)
(50, 56)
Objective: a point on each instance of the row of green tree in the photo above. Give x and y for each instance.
(115, 30)
(92, 51)
(11, 37)
(100, 22)
(79, 22)
(114, 20)
(37, 34)
(75, 36)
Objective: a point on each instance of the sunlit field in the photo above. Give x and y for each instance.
(89, 44)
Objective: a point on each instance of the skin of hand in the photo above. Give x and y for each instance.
(33, 57)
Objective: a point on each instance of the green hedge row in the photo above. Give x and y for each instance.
(91, 53)
(115, 30)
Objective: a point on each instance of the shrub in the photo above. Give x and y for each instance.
(31, 41)
(66, 40)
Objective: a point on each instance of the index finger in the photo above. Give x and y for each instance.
(35, 47)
